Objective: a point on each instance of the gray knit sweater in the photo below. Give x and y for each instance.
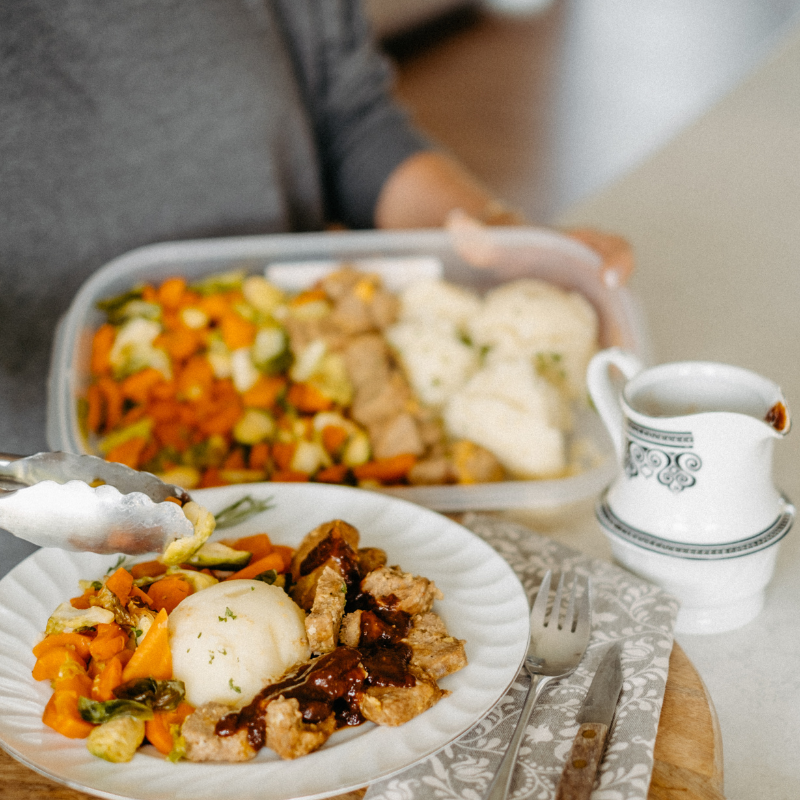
(133, 121)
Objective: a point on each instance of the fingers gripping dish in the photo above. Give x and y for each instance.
(266, 647)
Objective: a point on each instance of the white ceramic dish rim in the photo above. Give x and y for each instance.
(550, 246)
(486, 605)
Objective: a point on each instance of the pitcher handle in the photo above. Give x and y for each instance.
(605, 395)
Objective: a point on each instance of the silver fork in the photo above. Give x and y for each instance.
(556, 648)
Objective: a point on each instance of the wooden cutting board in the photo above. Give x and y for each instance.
(688, 750)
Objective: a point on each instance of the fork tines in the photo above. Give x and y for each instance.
(576, 605)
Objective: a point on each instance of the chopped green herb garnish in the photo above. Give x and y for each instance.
(234, 687)
(228, 615)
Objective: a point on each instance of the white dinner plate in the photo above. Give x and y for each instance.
(483, 603)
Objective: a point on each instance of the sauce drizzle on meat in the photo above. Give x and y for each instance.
(334, 548)
(334, 683)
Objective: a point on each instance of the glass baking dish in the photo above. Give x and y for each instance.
(497, 255)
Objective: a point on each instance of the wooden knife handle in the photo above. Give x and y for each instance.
(579, 773)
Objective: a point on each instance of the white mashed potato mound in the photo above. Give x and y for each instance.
(510, 410)
(529, 317)
(435, 357)
(438, 299)
(230, 640)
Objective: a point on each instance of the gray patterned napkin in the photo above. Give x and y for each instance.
(624, 608)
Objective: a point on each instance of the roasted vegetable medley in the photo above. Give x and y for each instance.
(232, 380)
(248, 644)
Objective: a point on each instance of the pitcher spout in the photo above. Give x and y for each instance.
(778, 418)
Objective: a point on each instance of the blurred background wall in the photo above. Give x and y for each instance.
(551, 105)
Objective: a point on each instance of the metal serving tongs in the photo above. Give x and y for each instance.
(81, 502)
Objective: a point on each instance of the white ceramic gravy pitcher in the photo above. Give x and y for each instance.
(695, 441)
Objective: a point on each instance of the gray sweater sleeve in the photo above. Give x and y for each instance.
(362, 134)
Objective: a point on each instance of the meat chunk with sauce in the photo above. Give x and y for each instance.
(202, 742)
(325, 617)
(333, 544)
(288, 735)
(396, 705)
(321, 532)
(432, 648)
(390, 586)
(350, 629)
(369, 559)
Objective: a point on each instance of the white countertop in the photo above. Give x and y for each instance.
(714, 219)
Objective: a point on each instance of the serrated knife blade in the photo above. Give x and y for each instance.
(595, 717)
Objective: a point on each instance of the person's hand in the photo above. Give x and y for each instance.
(477, 246)
(615, 251)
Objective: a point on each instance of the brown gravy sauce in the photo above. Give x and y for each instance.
(334, 548)
(335, 682)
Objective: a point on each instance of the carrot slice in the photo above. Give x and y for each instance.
(235, 460)
(196, 378)
(259, 456)
(285, 553)
(121, 583)
(94, 411)
(283, 453)
(152, 658)
(333, 437)
(289, 476)
(84, 601)
(223, 420)
(168, 592)
(128, 452)
(180, 342)
(47, 666)
(113, 399)
(73, 679)
(137, 386)
(272, 561)
(333, 474)
(62, 715)
(237, 331)
(157, 730)
(148, 569)
(307, 398)
(104, 683)
(264, 393)
(78, 642)
(110, 640)
(211, 478)
(170, 292)
(143, 596)
(259, 545)
(386, 470)
(102, 344)
(216, 306)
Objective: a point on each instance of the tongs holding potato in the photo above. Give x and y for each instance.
(81, 502)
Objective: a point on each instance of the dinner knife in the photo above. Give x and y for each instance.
(595, 718)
